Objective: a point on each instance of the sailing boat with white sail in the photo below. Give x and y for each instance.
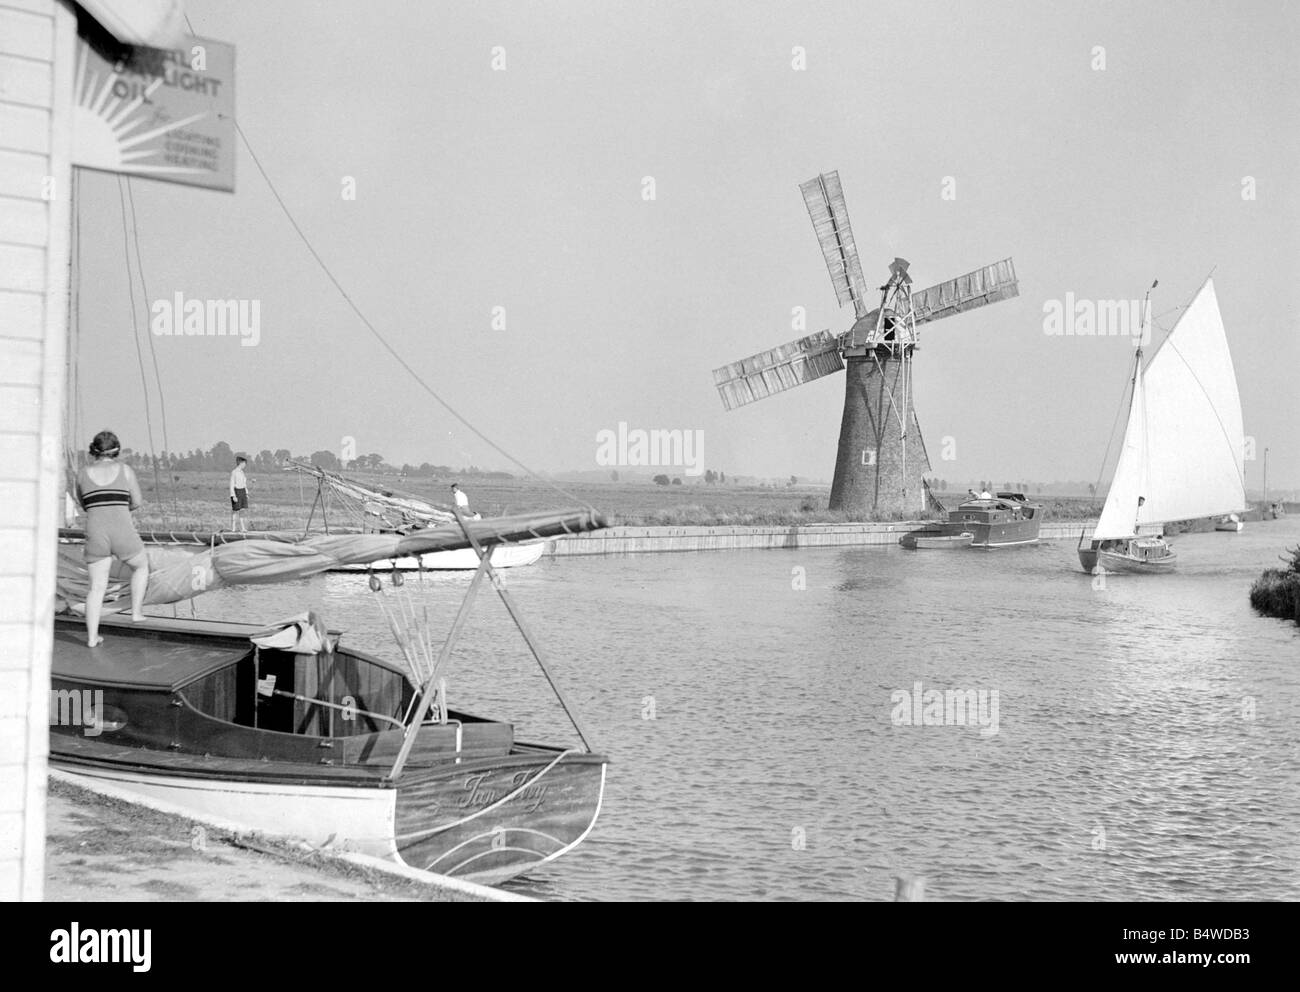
(1183, 446)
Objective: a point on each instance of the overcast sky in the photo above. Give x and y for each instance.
(522, 189)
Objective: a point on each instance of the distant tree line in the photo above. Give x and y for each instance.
(221, 458)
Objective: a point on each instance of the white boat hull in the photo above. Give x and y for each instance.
(366, 820)
(464, 559)
(351, 819)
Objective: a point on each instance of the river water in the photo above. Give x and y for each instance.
(1143, 742)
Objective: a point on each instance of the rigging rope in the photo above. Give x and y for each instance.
(139, 353)
(375, 331)
(1111, 439)
(153, 351)
(74, 376)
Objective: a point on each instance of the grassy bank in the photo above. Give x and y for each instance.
(283, 501)
(1276, 593)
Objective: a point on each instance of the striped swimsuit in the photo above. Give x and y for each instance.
(110, 533)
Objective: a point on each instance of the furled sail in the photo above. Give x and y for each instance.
(177, 574)
(1184, 447)
(378, 509)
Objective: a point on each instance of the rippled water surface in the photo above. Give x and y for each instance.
(1147, 744)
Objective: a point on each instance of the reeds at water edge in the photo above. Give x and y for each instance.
(1276, 593)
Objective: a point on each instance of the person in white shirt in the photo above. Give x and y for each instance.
(238, 495)
(462, 501)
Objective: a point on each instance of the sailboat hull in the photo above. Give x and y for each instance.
(1140, 557)
(460, 560)
(1115, 561)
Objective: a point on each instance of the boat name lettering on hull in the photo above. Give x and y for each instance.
(478, 796)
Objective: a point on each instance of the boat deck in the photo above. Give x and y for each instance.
(136, 661)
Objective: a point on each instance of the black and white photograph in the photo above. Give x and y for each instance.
(650, 452)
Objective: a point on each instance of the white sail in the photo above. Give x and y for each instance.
(1187, 451)
(1119, 515)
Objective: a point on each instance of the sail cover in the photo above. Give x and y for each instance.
(1183, 448)
(177, 574)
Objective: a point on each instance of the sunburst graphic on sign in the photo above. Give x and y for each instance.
(119, 132)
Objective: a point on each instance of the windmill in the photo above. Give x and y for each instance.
(882, 460)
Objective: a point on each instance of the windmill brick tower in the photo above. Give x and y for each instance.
(881, 462)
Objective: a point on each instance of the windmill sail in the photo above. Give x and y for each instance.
(824, 198)
(778, 369)
(989, 284)
(1183, 447)
(985, 285)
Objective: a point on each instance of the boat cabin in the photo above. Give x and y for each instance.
(208, 689)
(993, 511)
(1139, 548)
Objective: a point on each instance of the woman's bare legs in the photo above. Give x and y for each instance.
(139, 583)
(95, 598)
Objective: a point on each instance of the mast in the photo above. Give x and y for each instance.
(1125, 495)
(1137, 370)
(1265, 479)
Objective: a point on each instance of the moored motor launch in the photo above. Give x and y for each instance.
(881, 462)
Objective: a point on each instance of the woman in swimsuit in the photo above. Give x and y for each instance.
(107, 492)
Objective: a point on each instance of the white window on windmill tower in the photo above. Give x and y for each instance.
(38, 44)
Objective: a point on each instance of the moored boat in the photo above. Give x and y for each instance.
(1231, 524)
(1002, 521)
(286, 731)
(464, 560)
(921, 540)
(388, 511)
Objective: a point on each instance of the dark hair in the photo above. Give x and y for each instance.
(240, 458)
(453, 485)
(105, 443)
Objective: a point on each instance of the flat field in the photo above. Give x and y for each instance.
(279, 500)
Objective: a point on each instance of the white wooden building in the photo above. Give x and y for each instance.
(37, 52)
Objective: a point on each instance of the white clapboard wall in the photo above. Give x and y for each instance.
(37, 48)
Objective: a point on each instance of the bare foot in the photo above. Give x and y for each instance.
(95, 643)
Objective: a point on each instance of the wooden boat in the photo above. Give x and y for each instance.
(183, 722)
(1183, 452)
(464, 560)
(920, 540)
(285, 731)
(1139, 554)
(389, 511)
(1003, 521)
